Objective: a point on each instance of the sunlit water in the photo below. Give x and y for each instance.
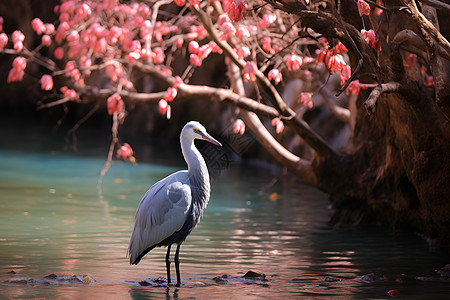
(53, 220)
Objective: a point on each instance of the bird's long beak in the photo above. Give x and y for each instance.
(212, 140)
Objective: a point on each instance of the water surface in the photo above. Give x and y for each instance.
(53, 220)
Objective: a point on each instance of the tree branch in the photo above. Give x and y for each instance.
(438, 5)
(424, 25)
(300, 127)
(295, 164)
(371, 101)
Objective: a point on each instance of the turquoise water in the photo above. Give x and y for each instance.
(53, 221)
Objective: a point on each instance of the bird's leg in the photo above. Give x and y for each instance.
(177, 265)
(168, 264)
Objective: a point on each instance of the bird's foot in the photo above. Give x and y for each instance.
(177, 284)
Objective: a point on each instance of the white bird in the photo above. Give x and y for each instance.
(173, 206)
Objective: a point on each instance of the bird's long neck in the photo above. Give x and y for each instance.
(197, 172)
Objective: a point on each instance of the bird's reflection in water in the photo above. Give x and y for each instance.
(174, 294)
(140, 293)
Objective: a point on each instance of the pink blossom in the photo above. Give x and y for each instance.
(69, 93)
(215, 48)
(249, 72)
(180, 42)
(193, 47)
(169, 112)
(162, 105)
(15, 75)
(275, 75)
(239, 127)
(133, 56)
(336, 63)
(86, 63)
(3, 40)
(229, 28)
(305, 99)
(266, 43)
(19, 63)
(345, 74)
(46, 82)
(428, 81)
(412, 58)
(195, 60)
(38, 26)
(114, 104)
(195, 3)
(363, 8)
(242, 32)
(83, 10)
(49, 29)
(18, 37)
(180, 2)
(125, 152)
(370, 37)
(236, 9)
(321, 55)
(46, 40)
(1, 23)
(113, 71)
(243, 52)
(158, 56)
(293, 62)
(278, 124)
(170, 94)
(177, 82)
(354, 87)
(266, 20)
(73, 36)
(59, 53)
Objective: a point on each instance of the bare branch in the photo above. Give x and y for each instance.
(114, 141)
(295, 164)
(371, 101)
(339, 112)
(300, 127)
(426, 27)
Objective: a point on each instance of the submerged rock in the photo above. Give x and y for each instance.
(444, 271)
(49, 279)
(221, 279)
(251, 274)
(372, 277)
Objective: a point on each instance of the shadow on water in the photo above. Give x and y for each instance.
(53, 222)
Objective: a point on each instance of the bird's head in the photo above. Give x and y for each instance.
(194, 130)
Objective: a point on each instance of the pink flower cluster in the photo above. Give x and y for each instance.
(249, 71)
(305, 99)
(275, 75)
(293, 62)
(46, 82)
(18, 70)
(3, 40)
(235, 9)
(363, 8)
(115, 104)
(239, 127)
(125, 152)
(17, 38)
(278, 124)
(171, 94)
(266, 20)
(371, 39)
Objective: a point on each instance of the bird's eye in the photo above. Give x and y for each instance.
(195, 130)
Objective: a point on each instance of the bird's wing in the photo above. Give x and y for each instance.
(161, 212)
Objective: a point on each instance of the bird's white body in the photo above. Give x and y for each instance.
(161, 212)
(173, 206)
